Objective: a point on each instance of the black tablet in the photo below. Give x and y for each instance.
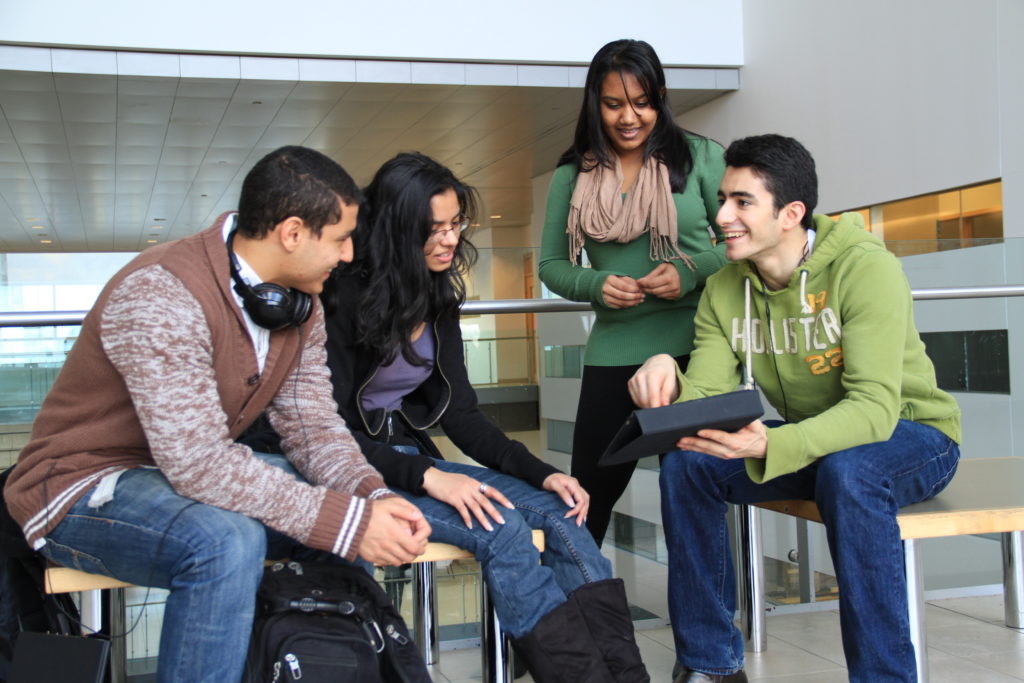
(652, 431)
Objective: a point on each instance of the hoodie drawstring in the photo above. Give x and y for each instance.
(747, 371)
(805, 305)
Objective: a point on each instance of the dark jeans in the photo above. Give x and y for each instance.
(524, 585)
(858, 492)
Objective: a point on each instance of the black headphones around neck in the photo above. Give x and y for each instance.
(270, 306)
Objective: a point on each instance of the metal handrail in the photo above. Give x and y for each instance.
(47, 318)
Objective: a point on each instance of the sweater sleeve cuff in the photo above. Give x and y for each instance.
(341, 524)
(597, 291)
(370, 487)
(687, 278)
(785, 455)
(540, 472)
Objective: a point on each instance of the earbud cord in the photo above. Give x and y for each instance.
(295, 392)
(152, 570)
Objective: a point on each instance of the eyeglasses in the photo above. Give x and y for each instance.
(458, 226)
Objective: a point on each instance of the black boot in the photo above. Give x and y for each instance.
(606, 611)
(560, 649)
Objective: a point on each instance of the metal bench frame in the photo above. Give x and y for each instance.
(985, 496)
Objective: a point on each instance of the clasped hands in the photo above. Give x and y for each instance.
(622, 291)
(655, 384)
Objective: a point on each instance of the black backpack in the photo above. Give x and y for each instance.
(24, 604)
(328, 622)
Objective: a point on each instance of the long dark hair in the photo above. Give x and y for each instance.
(395, 222)
(666, 141)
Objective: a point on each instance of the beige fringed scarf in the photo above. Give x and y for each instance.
(598, 210)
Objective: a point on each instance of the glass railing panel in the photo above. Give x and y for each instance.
(903, 248)
(504, 360)
(501, 349)
(564, 360)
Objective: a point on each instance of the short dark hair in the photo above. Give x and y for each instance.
(666, 141)
(784, 165)
(294, 181)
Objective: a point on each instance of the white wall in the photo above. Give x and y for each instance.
(1011, 104)
(893, 99)
(685, 32)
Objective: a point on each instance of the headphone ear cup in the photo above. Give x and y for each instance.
(303, 307)
(273, 307)
(270, 306)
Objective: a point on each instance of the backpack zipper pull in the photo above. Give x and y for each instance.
(293, 666)
(395, 635)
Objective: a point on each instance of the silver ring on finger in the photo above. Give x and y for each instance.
(483, 488)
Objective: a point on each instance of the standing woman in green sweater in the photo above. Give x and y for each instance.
(638, 195)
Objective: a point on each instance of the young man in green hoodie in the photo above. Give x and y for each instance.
(865, 429)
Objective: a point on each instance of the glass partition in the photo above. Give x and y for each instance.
(952, 219)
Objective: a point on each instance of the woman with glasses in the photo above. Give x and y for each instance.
(639, 196)
(396, 358)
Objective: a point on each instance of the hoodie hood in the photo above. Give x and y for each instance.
(831, 240)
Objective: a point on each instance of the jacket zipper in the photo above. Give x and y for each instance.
(388, 420)
(359, 403)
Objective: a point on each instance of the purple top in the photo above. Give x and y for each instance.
(399, 378)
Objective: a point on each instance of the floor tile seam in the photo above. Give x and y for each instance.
(985, 666)
(818, 655)
(965, 614)
(840, 676)
(641, 634)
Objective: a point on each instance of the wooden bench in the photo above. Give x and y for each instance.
(985, 496)
(495, 648)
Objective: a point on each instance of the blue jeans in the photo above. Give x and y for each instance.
(524, 584)
(209, 558)
(858, 492)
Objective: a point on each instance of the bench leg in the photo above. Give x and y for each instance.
(118, 625)
(916, 607)
(495, 645)
(90, 608)
(104, 611)
(1013, 578)
(750, 570)
(424, 611)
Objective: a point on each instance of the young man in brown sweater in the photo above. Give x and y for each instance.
(132, 470)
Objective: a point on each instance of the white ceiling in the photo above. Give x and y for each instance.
(98, 162)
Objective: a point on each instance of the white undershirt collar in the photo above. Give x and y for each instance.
(260, 335)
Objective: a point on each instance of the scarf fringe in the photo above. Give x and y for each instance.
(665, 249)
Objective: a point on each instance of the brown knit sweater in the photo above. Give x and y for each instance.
(164, 373)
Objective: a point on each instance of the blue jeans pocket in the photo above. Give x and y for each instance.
(74, 559)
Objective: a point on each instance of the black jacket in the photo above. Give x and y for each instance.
(446, 398)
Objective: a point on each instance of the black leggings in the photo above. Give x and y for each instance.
(603, 408)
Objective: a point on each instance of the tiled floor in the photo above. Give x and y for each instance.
(966, 642)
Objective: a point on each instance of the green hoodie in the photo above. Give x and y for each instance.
(842, 360)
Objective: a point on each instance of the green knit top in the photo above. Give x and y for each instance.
(629, 336)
